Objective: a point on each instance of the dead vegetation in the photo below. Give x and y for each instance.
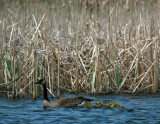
(79, 46)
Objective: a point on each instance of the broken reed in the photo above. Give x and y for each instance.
(79, 46)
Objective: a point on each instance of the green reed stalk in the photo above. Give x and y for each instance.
(117, 75)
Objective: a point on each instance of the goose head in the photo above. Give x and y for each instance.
(41, 81)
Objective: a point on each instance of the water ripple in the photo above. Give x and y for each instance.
(138, 109)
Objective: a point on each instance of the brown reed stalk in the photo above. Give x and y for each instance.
(1, 72)
(95, 60)
(29, 71)
(53, 66)
(13, 76)
(58, 74)
(34, 75)
(49, 76)
(20, 72)
(155, 67)
(66, 80)
(6, 79)
(77, 69)
(1, 69)
(98, 83)
(25, 76)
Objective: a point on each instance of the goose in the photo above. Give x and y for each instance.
(66, 102)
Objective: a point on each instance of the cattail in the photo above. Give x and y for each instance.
(104, 3)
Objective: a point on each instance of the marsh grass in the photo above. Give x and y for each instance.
(79, 46)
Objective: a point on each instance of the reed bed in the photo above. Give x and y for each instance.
(79, 46)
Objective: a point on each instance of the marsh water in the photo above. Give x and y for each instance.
(137, 109)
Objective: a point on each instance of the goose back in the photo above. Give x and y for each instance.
(67, 102)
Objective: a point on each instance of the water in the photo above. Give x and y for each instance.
(137, 109)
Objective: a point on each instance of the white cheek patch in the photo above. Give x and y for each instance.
(81, 104)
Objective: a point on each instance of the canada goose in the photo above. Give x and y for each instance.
(67, 102)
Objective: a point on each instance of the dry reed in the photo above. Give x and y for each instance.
(90, 46)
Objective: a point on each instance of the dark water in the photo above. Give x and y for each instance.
(138, 109)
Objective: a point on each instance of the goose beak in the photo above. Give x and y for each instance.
(39, 82)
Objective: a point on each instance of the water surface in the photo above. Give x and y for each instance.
(137, 109)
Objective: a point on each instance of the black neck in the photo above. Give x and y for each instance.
(45, 92)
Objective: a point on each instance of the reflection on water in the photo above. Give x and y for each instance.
(137, 109)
